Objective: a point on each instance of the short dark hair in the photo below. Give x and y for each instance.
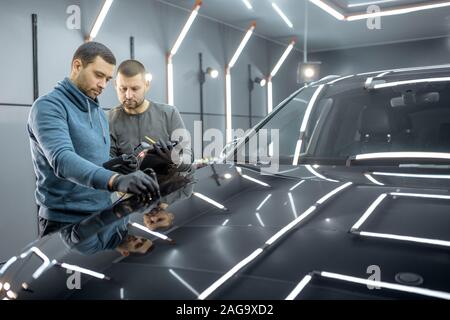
(130, 68)
(88, 51)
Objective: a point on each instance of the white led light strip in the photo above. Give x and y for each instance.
(372, 179)
(378, 201)
(229, 274)
(8, 264)
(101, 17)
(369, 211)
(387, 285)
(209, 200)
(412, 175)
(318, 175)
(263, 202)
(399, 83)
(296, 185)
(46, 261)
(436, 242)
(388, 12)
(311, 104)
(369, 283)
(154, 233)
(302, 284)
(81, 270)
(406, 155)
(184, 283)
(255, 180)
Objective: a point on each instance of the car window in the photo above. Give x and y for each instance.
(287, 122)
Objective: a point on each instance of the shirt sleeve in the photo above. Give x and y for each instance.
(176, 121)
(114, 149)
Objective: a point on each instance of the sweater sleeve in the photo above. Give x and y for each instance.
(48, 123)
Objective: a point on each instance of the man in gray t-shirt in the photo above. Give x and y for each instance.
(138, 119)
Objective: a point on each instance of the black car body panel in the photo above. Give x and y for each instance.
(315, 210)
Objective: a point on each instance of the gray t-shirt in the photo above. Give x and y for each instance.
(129, 130)
(159, 121)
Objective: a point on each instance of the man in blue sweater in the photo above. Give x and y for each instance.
(69, 138)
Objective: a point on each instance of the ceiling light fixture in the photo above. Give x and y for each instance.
(282, 15)
(99, 21)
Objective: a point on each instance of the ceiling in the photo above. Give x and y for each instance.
(324, 31)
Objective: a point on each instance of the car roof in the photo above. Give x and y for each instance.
(390, 75)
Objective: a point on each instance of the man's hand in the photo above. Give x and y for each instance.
(137, 182)
(124, 164)
(158, 218)
(164, 150)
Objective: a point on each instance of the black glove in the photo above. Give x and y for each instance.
(124, 164)
(138, 183)
(164, 150)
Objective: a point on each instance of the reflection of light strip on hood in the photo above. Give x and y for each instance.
(399, 155)
(332, 193)
(259, 219)
(420, 195)
(306, 213)
(229, 274)
(209, 200)
(8, 264)
(291, 200)
(369, 211)
(387, 285)
(156, 234)
(225, 222)
(122, 294)
(318, 175)
(296, 185)
(257, 252)
(291, 225)
(81, 270)
(255, 180)
(368, 82)
(294, 293)
(382, 74)
(263, 202)
(184, 283)
(40, 254)
(405, 238)
(372, 179)
(298, 147)
(311, 104)
(412, 175)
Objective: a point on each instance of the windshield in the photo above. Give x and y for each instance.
(336, 122)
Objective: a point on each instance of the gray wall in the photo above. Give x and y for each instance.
(399, 55)
(155, 26)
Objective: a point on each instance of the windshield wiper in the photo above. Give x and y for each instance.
(402, 157)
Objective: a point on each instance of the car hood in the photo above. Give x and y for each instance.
(260, 234)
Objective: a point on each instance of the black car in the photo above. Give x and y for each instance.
(357, 208)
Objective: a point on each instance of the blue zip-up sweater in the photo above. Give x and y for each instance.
(69, 138)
